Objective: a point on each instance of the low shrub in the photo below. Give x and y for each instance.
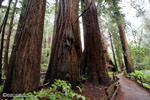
(142, 77)
(60, 90)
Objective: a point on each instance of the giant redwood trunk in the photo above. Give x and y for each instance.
(126, 51)
(24, 65)
(94, 48)
(64, 54)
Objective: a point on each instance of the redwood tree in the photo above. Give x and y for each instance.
(64, 54)
(126, 51)
(94, 54)
(113, 51)
(24, 65)
(77, 28)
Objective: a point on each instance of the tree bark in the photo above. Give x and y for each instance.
(76, 27)
(24, 65)
(2, 30)
(8, 38)
(126, 52)
(64, 56)
(94, 49)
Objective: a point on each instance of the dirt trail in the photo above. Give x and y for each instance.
(129, 90)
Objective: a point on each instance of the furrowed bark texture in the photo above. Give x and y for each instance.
(94, 49)
(64, 56)
(76, 27)
(126, 51)
(24, 65)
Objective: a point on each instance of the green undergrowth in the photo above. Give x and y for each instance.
(44, 67)
(141, 76)
(60, 90)
(1, 88)
(110, 74)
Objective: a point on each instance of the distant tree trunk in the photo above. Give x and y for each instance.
(119, 56)
(2, 30)
(24, 65)
(118, 50)
(126, 52)
(112, 47)
(94, 53)
(56, 15)
(109, 62)
(8, 38)
(64, 56)
(122, 66)
(48, 73)
(1, 2)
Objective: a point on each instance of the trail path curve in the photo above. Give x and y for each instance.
(130, 90)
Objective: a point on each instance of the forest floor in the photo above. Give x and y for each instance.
(130, 90)
(92, 92)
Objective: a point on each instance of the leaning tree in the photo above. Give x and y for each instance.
(126, 52)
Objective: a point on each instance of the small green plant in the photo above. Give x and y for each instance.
(60, 90)
(80, 89)
(1, 88)
(142, 77)
(83, 78)
(44, 67)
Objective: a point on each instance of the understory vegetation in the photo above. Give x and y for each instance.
(60, 90)
(141, 76)
(69, 44)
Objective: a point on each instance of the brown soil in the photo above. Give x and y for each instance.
(130, 90)
(92, 92)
